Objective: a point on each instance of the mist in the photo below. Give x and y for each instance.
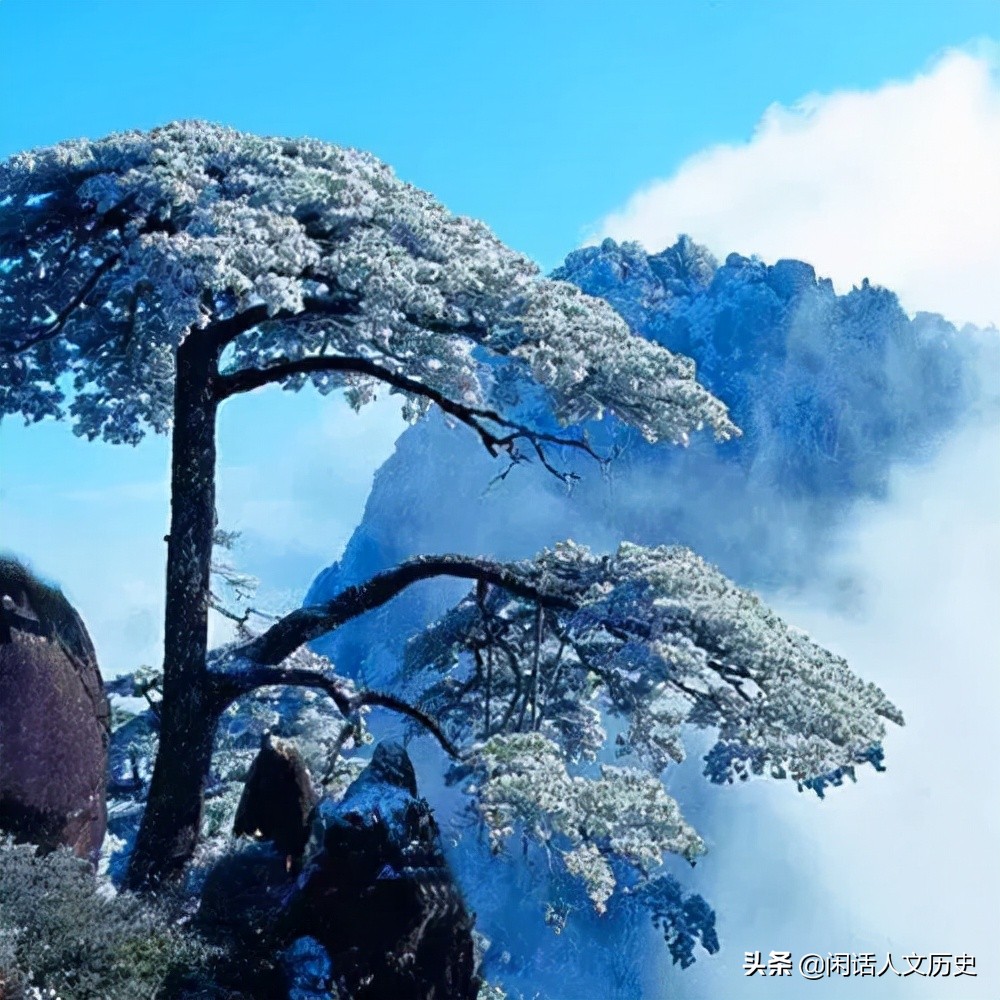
(903, 861)
(905, 587)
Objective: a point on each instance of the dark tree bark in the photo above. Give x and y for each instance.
(192, 702)
(194, 698)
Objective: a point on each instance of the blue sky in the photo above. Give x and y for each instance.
(539, 117)
(544, 119)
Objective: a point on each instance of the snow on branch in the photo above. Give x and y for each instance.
(284, 254)
(521, 781)
(653, 635)
(662, 639)
(279, 656)
(309, 623)
(497, 433)
(519, 678)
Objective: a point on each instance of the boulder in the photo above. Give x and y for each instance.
(240, 911)
(307, 971)
(277, 799)
(54, 719)
(377, 892)
(374, 912)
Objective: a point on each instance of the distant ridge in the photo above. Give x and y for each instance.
(830, 390)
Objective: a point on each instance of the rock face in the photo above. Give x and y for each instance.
(54, 719)
(378, 894)
(242, 908)
(277, 799)
(375, 912)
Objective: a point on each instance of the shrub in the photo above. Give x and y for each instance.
(64, 929)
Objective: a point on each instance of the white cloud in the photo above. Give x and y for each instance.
(929, 565)
(900, 185)
(903, 861)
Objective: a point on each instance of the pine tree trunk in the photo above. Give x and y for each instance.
(191, 703)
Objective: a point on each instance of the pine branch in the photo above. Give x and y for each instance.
(497, 433)
(305, 624)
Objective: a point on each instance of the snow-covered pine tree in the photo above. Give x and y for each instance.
(149, 278)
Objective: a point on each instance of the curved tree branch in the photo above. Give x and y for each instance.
(305, 624)
(58, 323)
(502, 437)
(384, 700)
(113, 220)
(225, 331)
(243, 682)
(257, 662)
(347, 703)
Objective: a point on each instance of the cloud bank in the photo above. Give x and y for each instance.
(901, 862)
(900, 185)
